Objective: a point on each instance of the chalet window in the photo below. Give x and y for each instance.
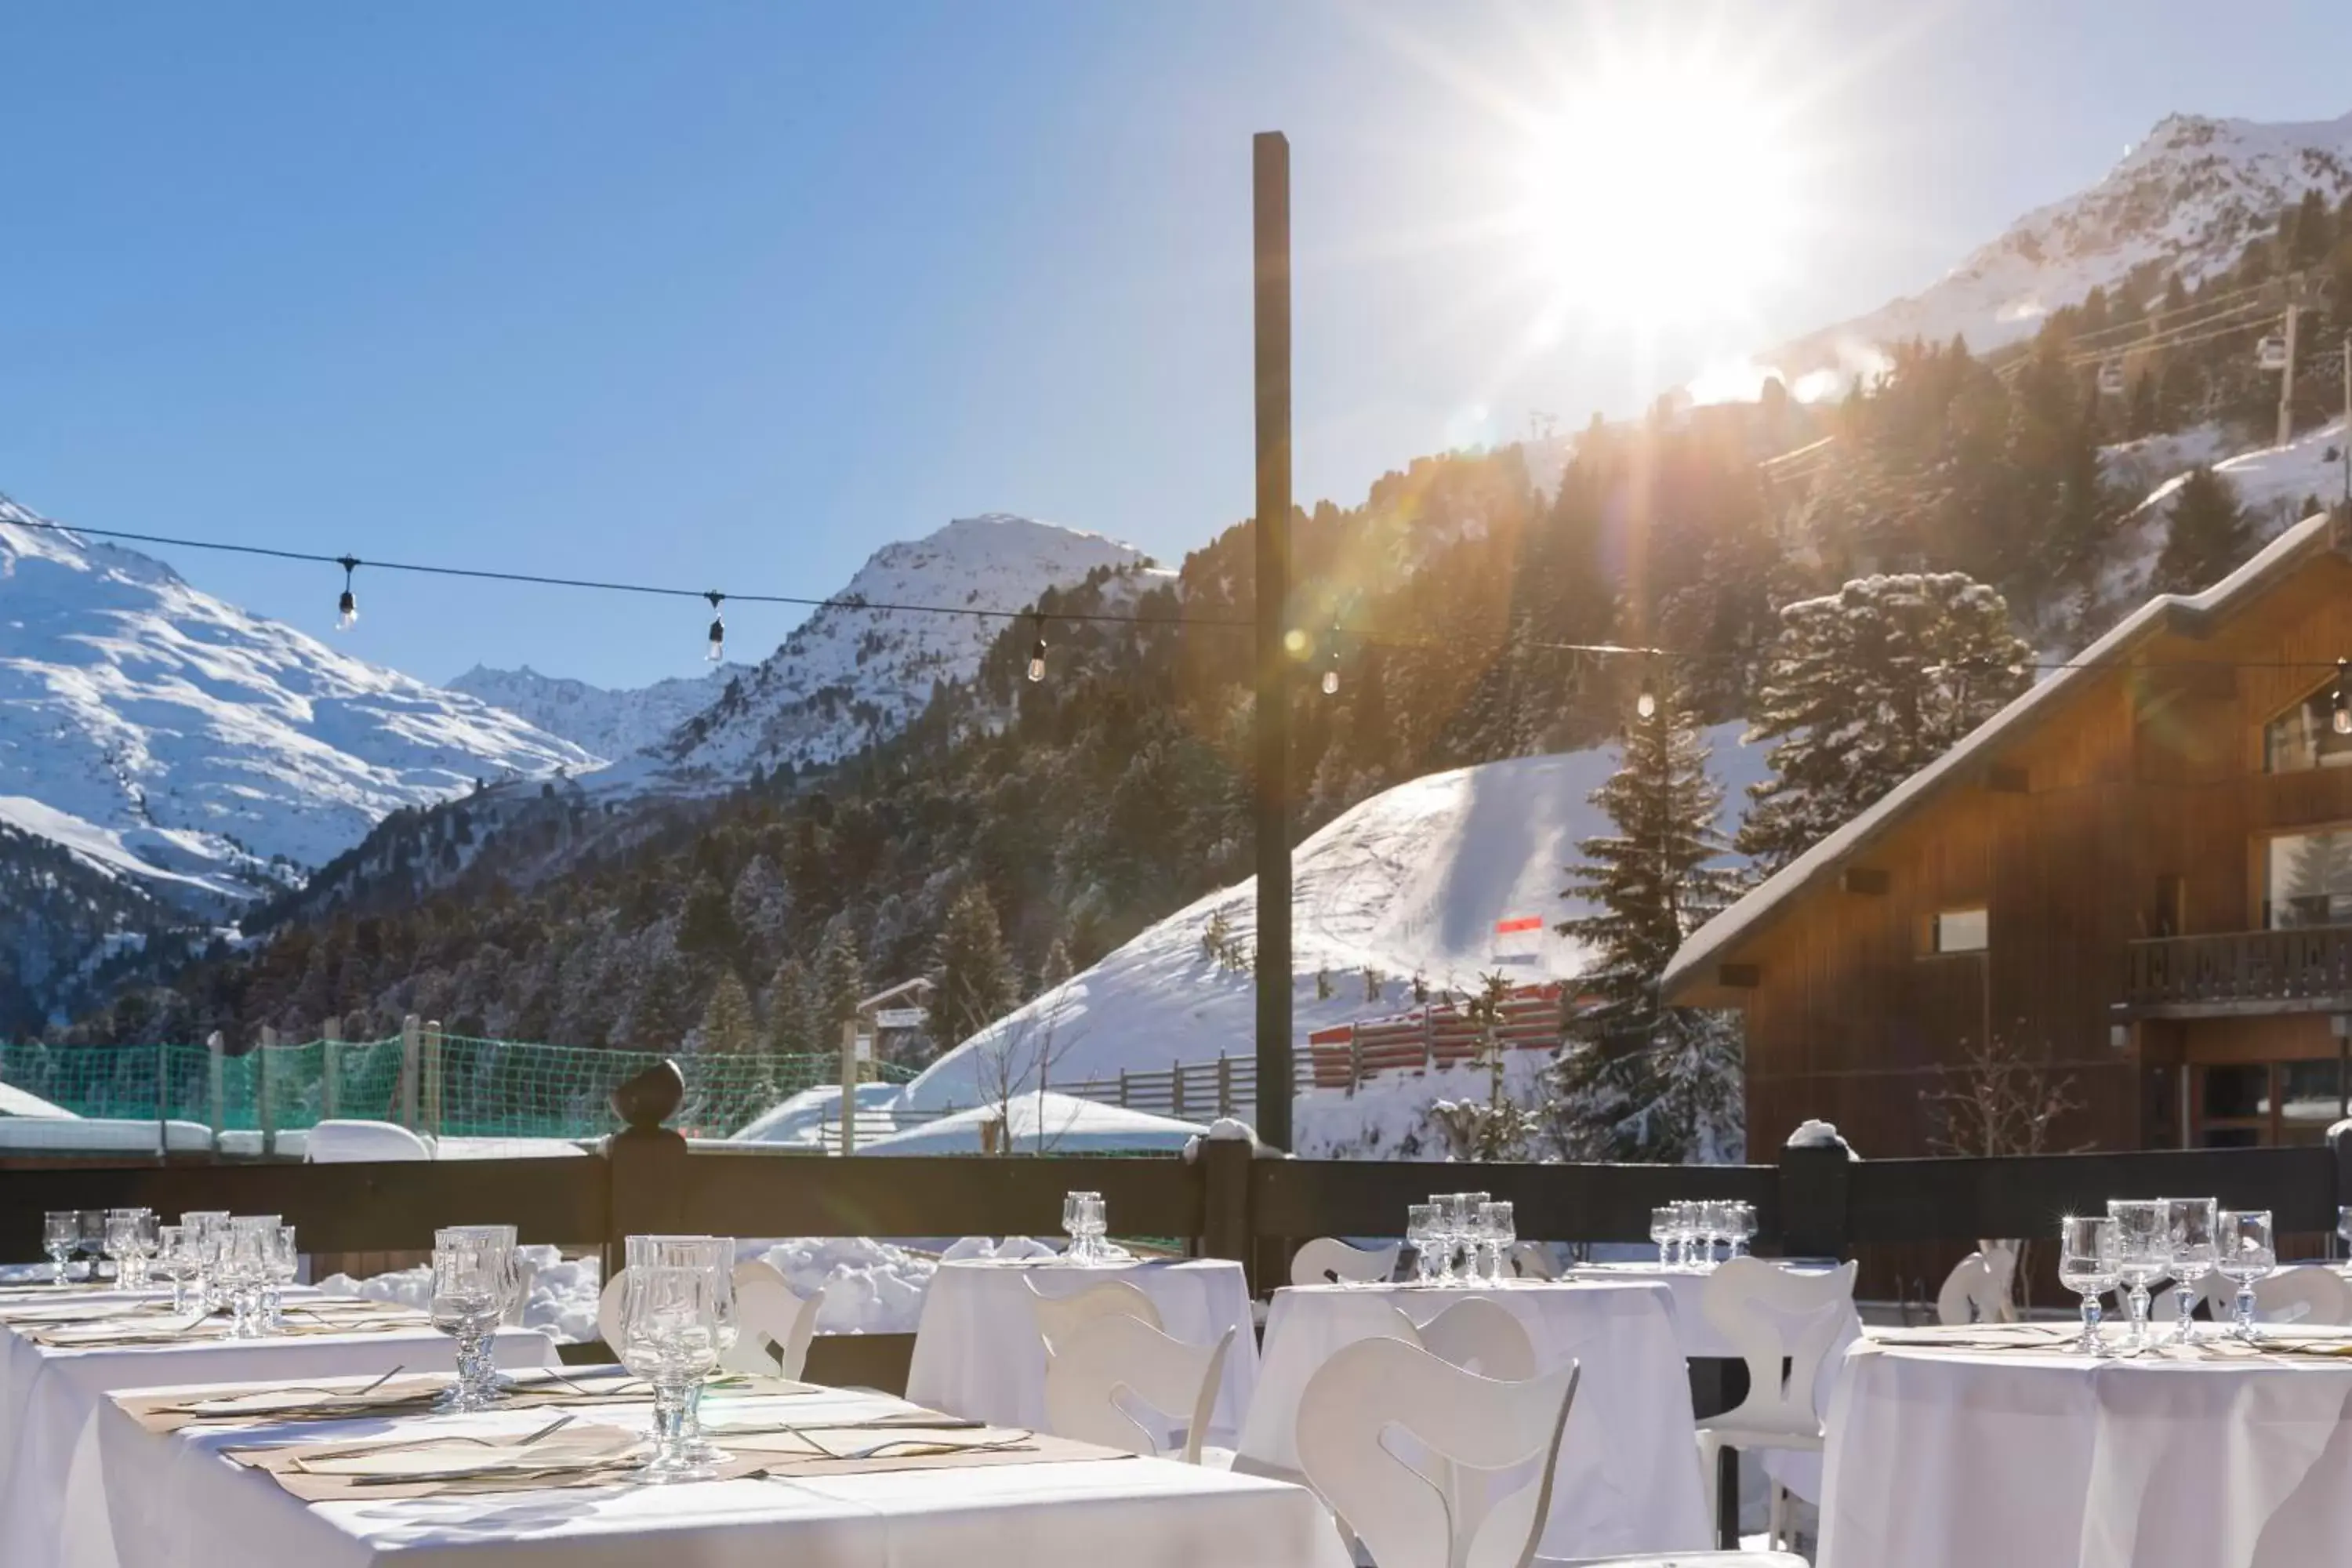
(2304, 736)
(2308, 880)
(1960, 930)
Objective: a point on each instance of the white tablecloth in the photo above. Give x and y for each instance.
(176, 1504)
(1628, 1477)
(1948, 1458)
(49, 1471)
(1696, 1335)
(978, 1354)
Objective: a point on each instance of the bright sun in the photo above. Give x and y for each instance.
(1661, 191)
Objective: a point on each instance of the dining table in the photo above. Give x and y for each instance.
(61, 1356)
(2006, 1444)
(215, 1478)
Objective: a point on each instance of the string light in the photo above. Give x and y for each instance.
(717, 626)
(1647, 703)
(1331, 669)
(1037, 649)
(2341, 702)
(347, 608)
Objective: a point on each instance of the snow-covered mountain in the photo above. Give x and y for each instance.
(606, 720)
(2189, 197)
(848, 675)
(157, 731)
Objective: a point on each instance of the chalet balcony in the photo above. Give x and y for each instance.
(2306, 969)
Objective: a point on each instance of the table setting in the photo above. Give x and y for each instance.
(2157, 1440)
(978, 1353)
(1627, 1479)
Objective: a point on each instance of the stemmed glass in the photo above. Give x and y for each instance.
(204, 1228)
(2191, 1225)
(468, 1288)
(1662, 1231)
(130, 1237)
(1421, 1228)
(1499, 1230)
(1074, 1225)
(1097, 1227)
(1743, 1228)
(252, 1238)
(2245, 1251)
(2089, 1264)
(285, 1260)
(2143, 1256)
(60, 1233)
(670, 1339)
(714, 1256)
(173, 1261)
(91, 1242)
(482, 1376)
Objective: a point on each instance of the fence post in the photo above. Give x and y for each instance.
(1225, 1201)
(1355, 1061)
(430, 1062)
(1816, 1183)
(645, 1163)
(330, 1064)
(163, 1101)
(1176, 1102)
(1428, 1036)
(1122, 1089)
(214, 1047)
(1224, 1085)
(850, 1075)
(411, 1050)
(262, 1046)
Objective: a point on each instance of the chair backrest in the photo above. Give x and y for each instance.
(1977, 1289)
(1532, 1261)
(609, 1308)
(1094, 1367)
(1400, 1514)
(1782, 1323)
(1326, 1260)
(1060, 1316)
(1477, 1335)
(2308, 1295)
(774, 1325)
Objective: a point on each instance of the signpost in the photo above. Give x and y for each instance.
(901, 1017)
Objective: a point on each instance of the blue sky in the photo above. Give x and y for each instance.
(730, 295)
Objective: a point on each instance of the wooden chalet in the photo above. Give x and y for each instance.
(2137, 875)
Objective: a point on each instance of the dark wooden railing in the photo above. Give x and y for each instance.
(2306, 969)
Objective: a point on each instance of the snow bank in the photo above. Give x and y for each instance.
(799, 1122)
(1388, 1116)
(1042, 1123)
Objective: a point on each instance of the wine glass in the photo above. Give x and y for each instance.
(1662, 1231)
(2244, 1251)
(172, 1261)
(1074, 1225)
(2190, 1226)
(670, 1339)
(2143, 1256)
(488, 1382)
(121, 1244)
(715, 1257)
(1743, 1228)
(285, 1262)
(91, 1241)
(143, 1242)
(204, 1228)
(1501, 1232)
(2089, 1263)
(1422, 1225)
(60, 1233)
(468, 1284)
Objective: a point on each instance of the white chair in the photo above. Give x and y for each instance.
(1058, 1317)
(773, 1325)
(609, 1308)
(1328, 1261)
(2314, 1295)
(1978, 1288)
(1403, 1515)
(1094, 1369)
(1775, 1320)
(1532, 1261)
(1479, 1336)
(1684, 1559)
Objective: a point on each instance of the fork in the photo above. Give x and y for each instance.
(357, 1450)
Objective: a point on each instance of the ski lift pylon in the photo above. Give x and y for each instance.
(2111, 378)
(2271, 353)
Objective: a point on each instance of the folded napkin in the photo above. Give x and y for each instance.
(438, 1464)
(331, 1399)
(855, 1449)
(71, 1311)
(1976, 1336)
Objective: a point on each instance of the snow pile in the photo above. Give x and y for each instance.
(847, 676)
(800, 1122)
(158, 733)
(608, 721)
(560, 1299)
(1387, 1118)
(1409, 883)
(1042, 1123)
(2189, 197)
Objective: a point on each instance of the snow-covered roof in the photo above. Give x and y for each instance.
(1771, 897)
(1068, 1125)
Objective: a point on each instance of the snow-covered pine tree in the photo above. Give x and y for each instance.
(2206, 534)
(975, 979)
(1864, 688)
(1638, 1080)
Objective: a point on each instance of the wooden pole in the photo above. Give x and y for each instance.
(411, 1050)
(1270, 193)
(261, 1117)
(849, 1085)
(330, 1066)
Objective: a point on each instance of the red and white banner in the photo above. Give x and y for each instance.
(1518, 923)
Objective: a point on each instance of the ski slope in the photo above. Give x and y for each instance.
(1409, 882)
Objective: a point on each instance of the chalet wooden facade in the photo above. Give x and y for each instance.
(2139, 874)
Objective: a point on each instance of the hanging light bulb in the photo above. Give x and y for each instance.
(1331, 670)
(717, 626)
(347, 608)
(2341, 718)
(1038, 650)
(1646, 703)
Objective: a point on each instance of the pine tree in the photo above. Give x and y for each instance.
(840, 984)
(2206, 534)
(1865, 687)
(793, 1029)
(727, 1026)
(1638, 1081)
(975, 980)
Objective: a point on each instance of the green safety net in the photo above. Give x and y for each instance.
(462, 1086)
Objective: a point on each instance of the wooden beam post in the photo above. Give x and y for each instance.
(431, 1068)
(330, 1066)
(1270, 196)
(412, 1045)
(1816, 1181)
(215, 1050)
(261, 1116)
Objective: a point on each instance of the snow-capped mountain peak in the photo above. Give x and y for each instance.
(156, 730)
(609, 721)
(2189, 197)
(858, 670)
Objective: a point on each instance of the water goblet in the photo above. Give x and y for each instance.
(91, 1242)
(2244, 1251)
(172, 1262)
(1501, 1232)
(204, 1228)
(2191, 1225)
(60, 1233)
(2089, 1264)
(1662, 1231)
(1422, 1225)
(285, 1263)
(143, 1243)
(715, 1257)
(1743, 1228)
(467, 1287)
(1096, 1225)
(670, 1339)
(488, 1382)
(2143, 1256)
